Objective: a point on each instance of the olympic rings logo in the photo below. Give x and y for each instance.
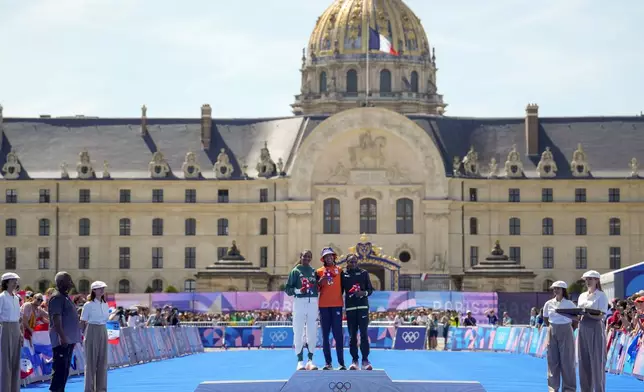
(278, 336)
(339, 386)
(410, 337)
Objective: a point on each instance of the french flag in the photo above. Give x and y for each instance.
(113, 332)
(379, 42)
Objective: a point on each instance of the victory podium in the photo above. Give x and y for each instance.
(340, 381)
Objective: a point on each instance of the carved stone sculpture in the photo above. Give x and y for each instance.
(233, 253)
(497, 253)
(12, 168)
(369, 153)
(492, 167)
(223, 168)
(635, 166)
(456, 166)
(547, 168)
(266, 167)
(280, 167)
(579, 165)
(190, 167)
(106, 170)
(513, 165)
(84, 167)
(63, 170)
(158, 167)
(471, 163)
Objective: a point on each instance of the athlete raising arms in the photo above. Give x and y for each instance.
(302, 283)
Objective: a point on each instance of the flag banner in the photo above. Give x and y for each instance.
(380, 43)
(113, 332)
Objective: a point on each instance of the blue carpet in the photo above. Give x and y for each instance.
(498, 372)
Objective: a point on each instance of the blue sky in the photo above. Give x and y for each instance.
(107, 58)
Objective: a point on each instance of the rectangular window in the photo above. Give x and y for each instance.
(474, 255)
(125, 196)
(613, 195)
(547, 195)
(548, 257)
(515, 254)
(10, 258)
(84, 196)
(263, 257)
(514, 195)
(11, 227)
(191, 195)
(222, 196)
(84, 227)
(157, 195)
(221, 252)
(157, 258)
(190, 257)
(263, 195)
(191, 226)
(11, 196)
(125, 227)
(124, 258)
(474, 194)
(43, 258)
(615, 257)
(44, 196)
(83, 258)
(43, 227)
(581, 258)
(580, 195)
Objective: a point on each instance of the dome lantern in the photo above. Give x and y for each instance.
(334, 73)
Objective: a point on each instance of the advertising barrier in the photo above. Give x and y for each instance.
(410, 338)
(134, 346)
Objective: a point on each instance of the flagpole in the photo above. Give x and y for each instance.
(367, 96)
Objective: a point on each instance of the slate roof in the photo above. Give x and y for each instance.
(42, 144)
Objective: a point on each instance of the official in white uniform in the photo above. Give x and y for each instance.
(11, 336)
(94, 316)
(561, 342)
(592, 336)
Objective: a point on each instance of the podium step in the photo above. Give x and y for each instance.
(340, 381)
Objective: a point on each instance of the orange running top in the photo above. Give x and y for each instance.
(330, 295)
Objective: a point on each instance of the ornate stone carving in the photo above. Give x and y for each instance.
(244, 169)
(513, 165)
(547, 168)
(339, 174)
(369, 153)
(158, 167)
(328, 192)
(436, 217)
(404, 247)
(106, 170)
(438, 263)
(190, 167)
(266, 167)
(63, 170)
(492, 167)
(635, 167)
(397, 193)
(223, 168)
(579, 165)
(456, 166)
(397, 175)
(84, 167)
(368, 192)
(280, 167)
(471, 163)
(12, 168)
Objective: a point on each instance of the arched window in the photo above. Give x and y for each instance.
(332, 216)
(368, 216)
(43, 285)
(614, 226)
(43, 227)
(157, 286)
(191, 226)
(352, 82)
(404, 216)
(580, 226)
(474, 226)
(515, 226)
(190, 286)
(83, 227)
(157, 226)
(125, 227)
(385, 81)
(414, 82)
(83, 286)
(124, 286)
(546, 284)
(547, 226)
(263, 226)
(222, 226)
(323, 82)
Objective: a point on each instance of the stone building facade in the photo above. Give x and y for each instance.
(145, 203)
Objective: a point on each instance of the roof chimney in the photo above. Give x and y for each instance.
(206, 125)
(532, 129)
(144, 120)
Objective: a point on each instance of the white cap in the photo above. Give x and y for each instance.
(591, 274)
(9, 276)
(560, 284)
(98, 285)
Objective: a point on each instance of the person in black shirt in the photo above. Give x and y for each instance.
(469, 321)
(357, 288)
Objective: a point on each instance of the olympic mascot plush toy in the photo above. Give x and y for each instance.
(354, 289)
(306, 285)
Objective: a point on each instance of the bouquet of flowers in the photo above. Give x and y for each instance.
(306, 285)
(354, 289)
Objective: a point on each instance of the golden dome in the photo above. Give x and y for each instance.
(344, 28)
